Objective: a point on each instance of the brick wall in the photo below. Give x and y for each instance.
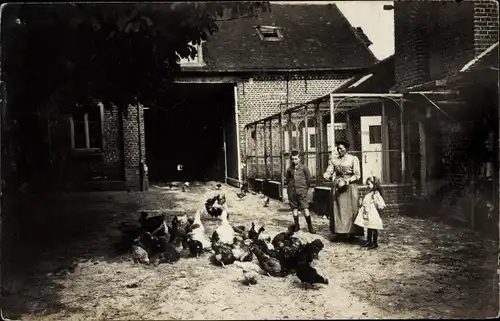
(132, 154)
(261, 97)
(485, 24)
(120, 157)
(442, 34)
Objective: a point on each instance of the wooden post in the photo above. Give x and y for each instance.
(271, 147)
(246, 154)
(290, 123)
(319, 172)
(423, 158)
(264, 131)
(257, 149)
(403, 165)
(332, 120)
(282, 151)
(385, 146)
(306, 140)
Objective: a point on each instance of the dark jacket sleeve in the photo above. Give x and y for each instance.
(307, 175)
(288, 176)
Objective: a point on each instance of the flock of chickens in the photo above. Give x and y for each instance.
(155, 242)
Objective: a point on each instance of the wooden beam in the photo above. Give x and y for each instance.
(306, 138)
(385, 146)
(318, 143)
(423, 157)
(403, 165)
(264, 131)
(271, 147)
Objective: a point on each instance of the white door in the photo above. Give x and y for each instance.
(340, 129)
(311, 147)
(371, 146)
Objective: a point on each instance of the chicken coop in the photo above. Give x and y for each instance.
(373, 124)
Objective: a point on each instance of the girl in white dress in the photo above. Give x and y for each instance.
(368, 214)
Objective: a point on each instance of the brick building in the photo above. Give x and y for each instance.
(242, 73)
(448, 52)
(292, 54)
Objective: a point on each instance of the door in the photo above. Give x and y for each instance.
(231, 141)
(340, 134)
(371, 146)
(310, 139)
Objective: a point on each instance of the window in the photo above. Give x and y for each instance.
(197, 61)
(270, 33)
(375, 134)
(86, 129)
(312, 140)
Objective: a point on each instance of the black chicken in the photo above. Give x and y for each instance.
(280, 238)
(213, 209)
(254, 235)
(195, 247)
(308, 275)
(150, 224)
(244, 187)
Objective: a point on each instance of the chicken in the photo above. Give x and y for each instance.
(241, 195)
(265, 246)
(223, 254)
(270, 265)
(241, 251)
(225, 230)
(240, 230)
(288, 252)
(250, 272)
(266, 203)
(176, 231)
(215, 205)
(198, 234)
(172, 252)
(280, 238)
(218, 186)
(253, 235)
(139, 255)
(308, 275)
(195, 247)
(150, 224)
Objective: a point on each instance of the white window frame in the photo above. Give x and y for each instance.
(87, 133)
(279, 32)
(197, 61)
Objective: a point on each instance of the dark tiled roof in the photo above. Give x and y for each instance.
(382, 79)
(315, 37)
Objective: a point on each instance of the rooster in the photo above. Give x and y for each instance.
(215, 205)
(308, 275)
(197, 232)
(225, 231)
(270, 265)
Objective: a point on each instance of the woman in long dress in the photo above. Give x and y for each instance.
(344, 171)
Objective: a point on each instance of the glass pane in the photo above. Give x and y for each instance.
(80, 141)
(95, 134)
(375, 134)
(312, 140)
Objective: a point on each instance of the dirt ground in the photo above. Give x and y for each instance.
(59, 264)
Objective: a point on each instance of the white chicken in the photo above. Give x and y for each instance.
(225, 230)
(251, 272)
(198, 231)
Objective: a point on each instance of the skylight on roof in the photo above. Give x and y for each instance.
(270, 33)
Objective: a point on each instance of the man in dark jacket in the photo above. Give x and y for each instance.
(298, 180)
